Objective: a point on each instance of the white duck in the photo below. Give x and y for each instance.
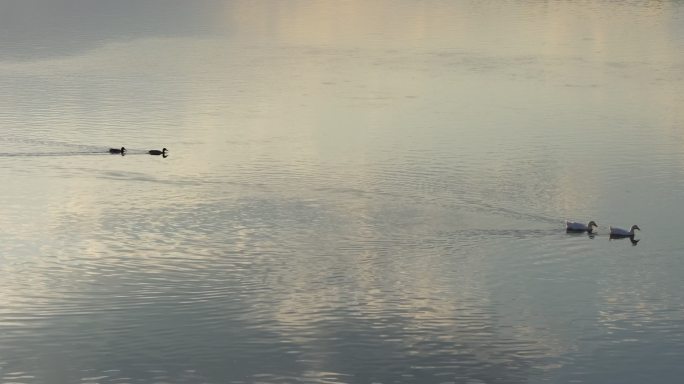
(619, 232)
(571, 226)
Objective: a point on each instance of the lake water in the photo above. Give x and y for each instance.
(355, 192)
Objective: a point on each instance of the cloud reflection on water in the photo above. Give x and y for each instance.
(346, 193)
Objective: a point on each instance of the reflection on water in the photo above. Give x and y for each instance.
(358, 192)
(631, 239)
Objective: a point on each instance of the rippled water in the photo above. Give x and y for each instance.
(356, 192)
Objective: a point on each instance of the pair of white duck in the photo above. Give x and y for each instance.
(572, 226)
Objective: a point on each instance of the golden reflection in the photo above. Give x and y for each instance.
(336, 24)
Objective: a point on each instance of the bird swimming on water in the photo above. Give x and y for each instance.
(157, 152)
(115, 150)
(619, 232)
(571, 226)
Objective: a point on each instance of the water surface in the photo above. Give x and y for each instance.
(356, 192)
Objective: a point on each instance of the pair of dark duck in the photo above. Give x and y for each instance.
(156, 152)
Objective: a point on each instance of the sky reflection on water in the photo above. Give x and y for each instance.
(353, 195)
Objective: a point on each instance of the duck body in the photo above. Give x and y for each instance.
(157, 152)
(620, 232)
(572, 226)
(121, 150)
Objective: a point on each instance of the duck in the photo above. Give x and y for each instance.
(157, 152)
(115, 150)
(571, 226)
(619, 232)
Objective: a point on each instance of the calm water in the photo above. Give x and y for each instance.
(356, 192)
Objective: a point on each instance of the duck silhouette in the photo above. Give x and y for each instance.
(157, 152)
(122, 151)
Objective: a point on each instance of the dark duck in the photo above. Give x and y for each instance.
(122, 150)
(157, 152)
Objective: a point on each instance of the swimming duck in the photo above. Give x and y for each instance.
(115, 150)
(157, 152)
(619, 232)
(571, 226)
